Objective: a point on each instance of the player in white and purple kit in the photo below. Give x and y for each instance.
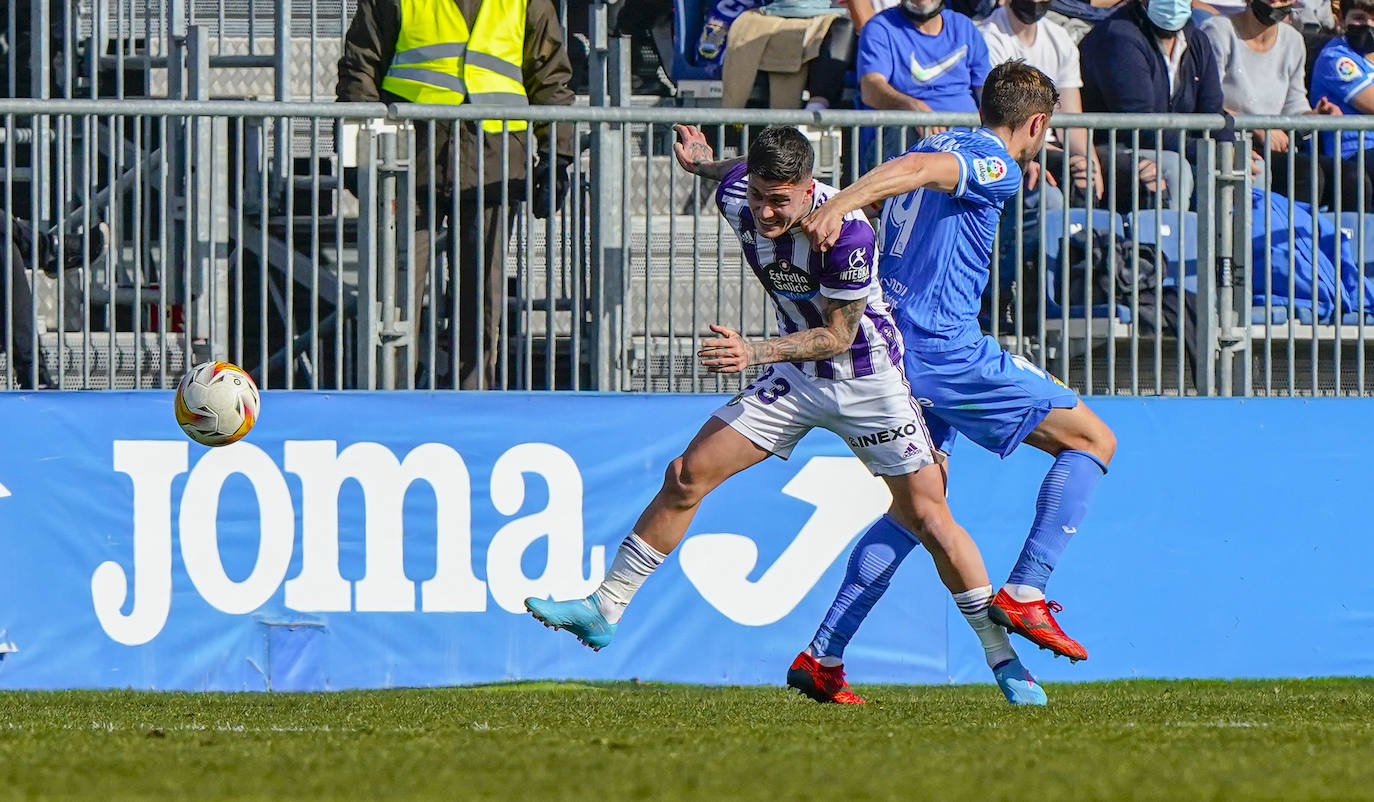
(944, 199)
(837, 366)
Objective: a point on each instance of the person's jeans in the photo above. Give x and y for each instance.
(1176, 171)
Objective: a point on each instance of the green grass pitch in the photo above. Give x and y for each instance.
(1121, 740)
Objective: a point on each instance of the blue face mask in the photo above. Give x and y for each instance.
(1169, 15)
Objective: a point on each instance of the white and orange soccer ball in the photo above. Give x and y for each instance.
(217, 403)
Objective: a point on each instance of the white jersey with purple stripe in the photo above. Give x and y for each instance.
(797, 278)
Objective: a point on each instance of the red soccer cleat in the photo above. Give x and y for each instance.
(1032, 621)
(822, 683)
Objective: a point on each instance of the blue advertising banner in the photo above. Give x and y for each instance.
(389, 539)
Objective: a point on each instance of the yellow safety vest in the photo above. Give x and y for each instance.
(439, 61)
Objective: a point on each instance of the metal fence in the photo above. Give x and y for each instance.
(293, 238)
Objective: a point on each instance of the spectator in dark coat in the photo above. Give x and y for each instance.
(1149, 57)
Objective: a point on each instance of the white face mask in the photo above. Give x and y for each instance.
(1169, 15)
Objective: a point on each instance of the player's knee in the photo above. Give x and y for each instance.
(1092, 436)
(681, 486)
(926, 517)
(1098, 440)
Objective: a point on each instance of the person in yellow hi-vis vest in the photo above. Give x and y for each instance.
(484, 52)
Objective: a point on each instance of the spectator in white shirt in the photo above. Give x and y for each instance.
(1018, 30)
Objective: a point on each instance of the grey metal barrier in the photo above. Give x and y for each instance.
(563, 248)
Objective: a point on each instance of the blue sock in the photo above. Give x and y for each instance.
(1062, 504)
(871, 565)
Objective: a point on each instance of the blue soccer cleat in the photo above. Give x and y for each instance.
(1018, 685)
(581, 617)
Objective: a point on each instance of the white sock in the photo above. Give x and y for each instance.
(1024, 593)
(974, 605)
(633, 563)
(827, 660)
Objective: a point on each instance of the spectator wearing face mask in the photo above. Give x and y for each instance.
(1018, 30)
(1344, 74)
(1148, 57)
(917, 56)
(1263, 71)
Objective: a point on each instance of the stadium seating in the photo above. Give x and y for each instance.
(687, 16)
(1102, 220)
(1177, 242)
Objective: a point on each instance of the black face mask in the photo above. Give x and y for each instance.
(1030, 11)
(1360, 38)
(921, 19)
(1267, 14)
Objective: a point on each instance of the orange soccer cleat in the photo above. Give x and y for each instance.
(1033, 621)
(822, 683)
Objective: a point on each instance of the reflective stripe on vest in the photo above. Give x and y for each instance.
(438, 60)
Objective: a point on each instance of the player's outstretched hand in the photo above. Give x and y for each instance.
(822, 227)
(691, 149)
(726, 353)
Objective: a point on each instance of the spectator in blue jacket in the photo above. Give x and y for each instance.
(1149, 57)
(917, 57)
(1344, 74)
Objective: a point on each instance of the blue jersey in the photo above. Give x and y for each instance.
(936, 247)
(1339, 74)
(946, 70)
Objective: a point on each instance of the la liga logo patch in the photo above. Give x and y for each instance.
(989, 170)
(1347, 69)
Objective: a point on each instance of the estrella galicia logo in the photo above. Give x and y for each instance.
(789, 280)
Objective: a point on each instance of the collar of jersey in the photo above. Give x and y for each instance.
(982, 129)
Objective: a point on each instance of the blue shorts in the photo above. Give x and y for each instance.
(994, 397)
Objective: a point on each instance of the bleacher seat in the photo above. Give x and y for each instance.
(687, 16)
(1177, 242)
(1102, 220)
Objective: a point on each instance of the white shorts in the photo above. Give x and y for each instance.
(874, 414)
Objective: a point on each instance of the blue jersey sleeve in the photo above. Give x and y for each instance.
(980, 64)
(1340, 73)
(875, 49)
(986, 178)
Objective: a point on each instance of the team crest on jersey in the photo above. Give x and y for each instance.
(1347, 69)
(858, 270)
(789, 280)
(989, 170)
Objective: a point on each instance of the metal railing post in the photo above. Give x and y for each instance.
(207, 222)
(1213, 249)
(610, 67)
(369, 317)
(281, 87)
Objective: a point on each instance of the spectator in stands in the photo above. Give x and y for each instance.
(490, 52)
(1149, 57)
(1018, 30)
(1344, 74)
(1263, 71)
(861, 11)
(917, 57)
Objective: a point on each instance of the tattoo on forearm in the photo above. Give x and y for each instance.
(714, 170)
(818, 343)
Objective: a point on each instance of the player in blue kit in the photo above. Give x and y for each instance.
(837, 365)
(943, 201)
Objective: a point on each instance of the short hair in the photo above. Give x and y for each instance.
(1348, 6)
(1015, 91)
(781, 153)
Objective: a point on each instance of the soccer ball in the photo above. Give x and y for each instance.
(217, 403)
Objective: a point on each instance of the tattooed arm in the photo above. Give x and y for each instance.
(731, 353)
(696, 156)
